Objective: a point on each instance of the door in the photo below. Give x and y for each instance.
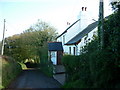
(59, 57)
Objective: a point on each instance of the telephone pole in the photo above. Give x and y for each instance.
(101, 23)
(3, 40)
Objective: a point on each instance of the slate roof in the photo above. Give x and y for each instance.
(55, 46)
(75, 40)
(68, 28)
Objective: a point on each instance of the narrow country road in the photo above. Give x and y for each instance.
(33, 79)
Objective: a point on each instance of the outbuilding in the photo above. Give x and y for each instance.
(55, 52)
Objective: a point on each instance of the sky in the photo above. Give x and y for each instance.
(21, 14)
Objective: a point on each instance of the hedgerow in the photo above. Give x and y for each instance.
(45, 65)
(10, 69)
(94, 70)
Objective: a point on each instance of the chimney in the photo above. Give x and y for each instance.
(82, 8)
(68, 23)
(85, 8)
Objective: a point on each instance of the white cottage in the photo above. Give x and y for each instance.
(78, 34)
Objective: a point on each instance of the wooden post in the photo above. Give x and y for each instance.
(3, 40)
(101, 23)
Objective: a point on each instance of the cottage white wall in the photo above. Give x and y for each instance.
(66, 49)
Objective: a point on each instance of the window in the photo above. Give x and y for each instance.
(69, 50)
(74, 50)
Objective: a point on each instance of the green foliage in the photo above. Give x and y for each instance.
(46, 66)
(10, 69)
(94, 70)
(77, 70)
(102, 69)
(75, 84)
(116, 5)
(28, 44)
(112, 33)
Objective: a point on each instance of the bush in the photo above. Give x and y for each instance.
(77, 71)
(10, 69)
(47, 68)
(95, 70)
(104, 71)
(46, 65)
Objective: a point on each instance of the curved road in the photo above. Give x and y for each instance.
(33, 79)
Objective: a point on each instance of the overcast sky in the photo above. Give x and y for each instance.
(21, 14)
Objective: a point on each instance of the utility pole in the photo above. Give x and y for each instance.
(101, 23)
(3, 40)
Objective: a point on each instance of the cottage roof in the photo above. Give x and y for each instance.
(55, 46)
(79, 36)
(68, 28)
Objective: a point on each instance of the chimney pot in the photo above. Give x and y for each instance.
(82, 8)
(85, 8)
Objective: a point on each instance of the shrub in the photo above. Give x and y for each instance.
(46, 65)
(77, 71)
(104, 72)
(95, 70)
(10, 69)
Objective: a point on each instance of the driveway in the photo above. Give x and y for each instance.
(33, 79)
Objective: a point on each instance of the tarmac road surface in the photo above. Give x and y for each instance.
(33, 79)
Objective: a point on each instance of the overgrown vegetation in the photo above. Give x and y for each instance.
(45, 64)
(10, 69)
(97, 68)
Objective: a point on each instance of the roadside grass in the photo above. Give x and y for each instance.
(10, 69)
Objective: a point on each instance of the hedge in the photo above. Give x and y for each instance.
(95, 70)
(10, 69)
